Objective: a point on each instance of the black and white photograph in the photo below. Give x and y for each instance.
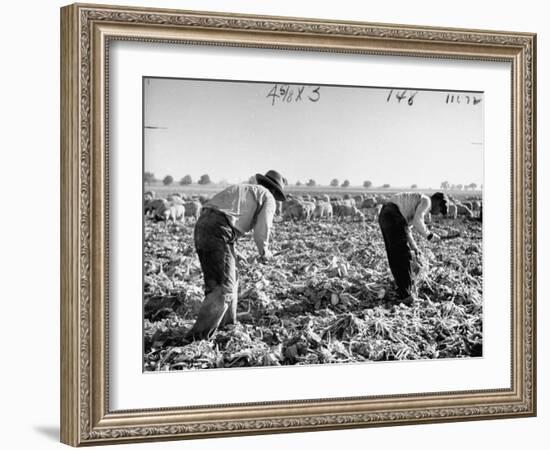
(294, 224)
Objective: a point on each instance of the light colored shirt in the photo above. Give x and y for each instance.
(413, 206)
(248, 206)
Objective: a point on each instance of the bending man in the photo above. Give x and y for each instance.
(397, 218)
(228, 215)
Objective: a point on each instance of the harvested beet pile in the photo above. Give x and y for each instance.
(327, 298)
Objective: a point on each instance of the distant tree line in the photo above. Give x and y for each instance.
(445, 185)
(149, 178)
(335, 182)
(204, 179)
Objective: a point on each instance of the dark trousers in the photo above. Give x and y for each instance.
(214, 242)
(395, 231)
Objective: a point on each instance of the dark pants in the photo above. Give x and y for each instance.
(395, 231)
(214, 242)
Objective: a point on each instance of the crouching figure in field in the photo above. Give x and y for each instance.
(397, 217)
(224, 218)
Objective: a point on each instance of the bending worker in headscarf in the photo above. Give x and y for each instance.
(228, 215)
(397, 217)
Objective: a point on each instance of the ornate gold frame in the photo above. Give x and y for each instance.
(86, 31)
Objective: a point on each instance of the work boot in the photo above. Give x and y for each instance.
(210, 315)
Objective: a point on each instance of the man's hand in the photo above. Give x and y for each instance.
(435, 237)
(267, 256)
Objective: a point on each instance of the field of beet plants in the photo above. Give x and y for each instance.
(327, 297)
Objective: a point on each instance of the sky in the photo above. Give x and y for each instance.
(232, 130)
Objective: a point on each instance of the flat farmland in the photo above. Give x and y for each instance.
(326, 297)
